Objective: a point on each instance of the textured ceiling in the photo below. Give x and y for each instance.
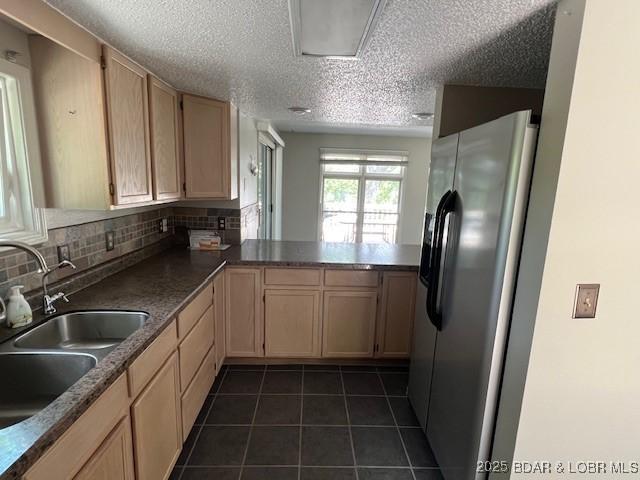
(241, 50)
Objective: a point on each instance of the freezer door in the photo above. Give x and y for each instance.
(491, 181)
(441, 171)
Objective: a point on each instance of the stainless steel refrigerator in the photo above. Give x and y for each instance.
(476, 203)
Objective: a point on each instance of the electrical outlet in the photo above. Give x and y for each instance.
(64, 253)
(110, 240)
(586, 300)
(222, 223)
(164, 225)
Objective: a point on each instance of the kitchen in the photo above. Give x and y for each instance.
(238, 223)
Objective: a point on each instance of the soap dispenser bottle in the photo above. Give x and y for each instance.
(18, 309)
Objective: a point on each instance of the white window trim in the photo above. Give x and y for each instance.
(27, 185)
(362, 176)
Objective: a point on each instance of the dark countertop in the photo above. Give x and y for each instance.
(357, 256)
(162, 285)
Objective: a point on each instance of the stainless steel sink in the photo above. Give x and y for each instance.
(42, 363)
(89, 330)
(31, 381)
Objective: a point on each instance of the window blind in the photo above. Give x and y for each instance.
(364, 157)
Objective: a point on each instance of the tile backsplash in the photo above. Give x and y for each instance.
(136, 236)
(207, 219)
(87, 246)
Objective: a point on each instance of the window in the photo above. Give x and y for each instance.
(19, 152)
(360, 195)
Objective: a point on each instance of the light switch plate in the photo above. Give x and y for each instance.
(586, 300)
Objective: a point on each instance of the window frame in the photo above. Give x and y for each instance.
(26, 186)
(362, 176)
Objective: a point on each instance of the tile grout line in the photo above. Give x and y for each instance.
(253, 421)
(304, 424)
(393, 415)
(313, 394)
(346, 408)
(202, 425)
(300, 434)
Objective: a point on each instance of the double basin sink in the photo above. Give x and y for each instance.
(42, 363)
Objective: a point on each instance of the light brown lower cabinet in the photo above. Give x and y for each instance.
(194, 348)
(292, 323)
(79, 443)
(219, 312)
(244, 326)
(196, 393)
(395, 317)
(348, 323)
(157, 425)
(114, 459)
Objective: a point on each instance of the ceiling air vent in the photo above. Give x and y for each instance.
(333, 28)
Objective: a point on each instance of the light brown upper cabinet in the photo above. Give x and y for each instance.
(128, 120)
(210, 130)
(109, 132)
(165, 150)
(395, 317)
(68, 91)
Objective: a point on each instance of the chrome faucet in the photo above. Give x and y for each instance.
(48, 301)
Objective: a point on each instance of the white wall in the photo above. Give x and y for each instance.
(248, 134)
(582, 387)
(301, 180)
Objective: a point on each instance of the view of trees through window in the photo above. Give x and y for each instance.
(361, 203)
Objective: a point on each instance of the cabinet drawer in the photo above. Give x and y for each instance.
(194, 397)
(194, 348)
(188, 317)
(76, 446)
(146, 365)
(350, 278)
(292, 276)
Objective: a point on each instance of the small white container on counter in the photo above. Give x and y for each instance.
(18, 309)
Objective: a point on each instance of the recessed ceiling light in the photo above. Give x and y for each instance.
(300, 110)
(422, 115)
(333, 28)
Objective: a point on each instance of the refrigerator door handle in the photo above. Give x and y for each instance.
(434, 262)
(445, 207)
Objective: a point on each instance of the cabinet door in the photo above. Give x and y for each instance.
(128, 117)
(218, 306)
(157, 429)
(206, 147)
(292, 323)
(395, 319)
(69, 96)
(114, 459)
(163, 129)
(348, 323)
(243, 320)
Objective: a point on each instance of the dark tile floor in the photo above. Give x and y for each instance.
(315, 422)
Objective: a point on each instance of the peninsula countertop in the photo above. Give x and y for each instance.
(162, 285)
(357, 256)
